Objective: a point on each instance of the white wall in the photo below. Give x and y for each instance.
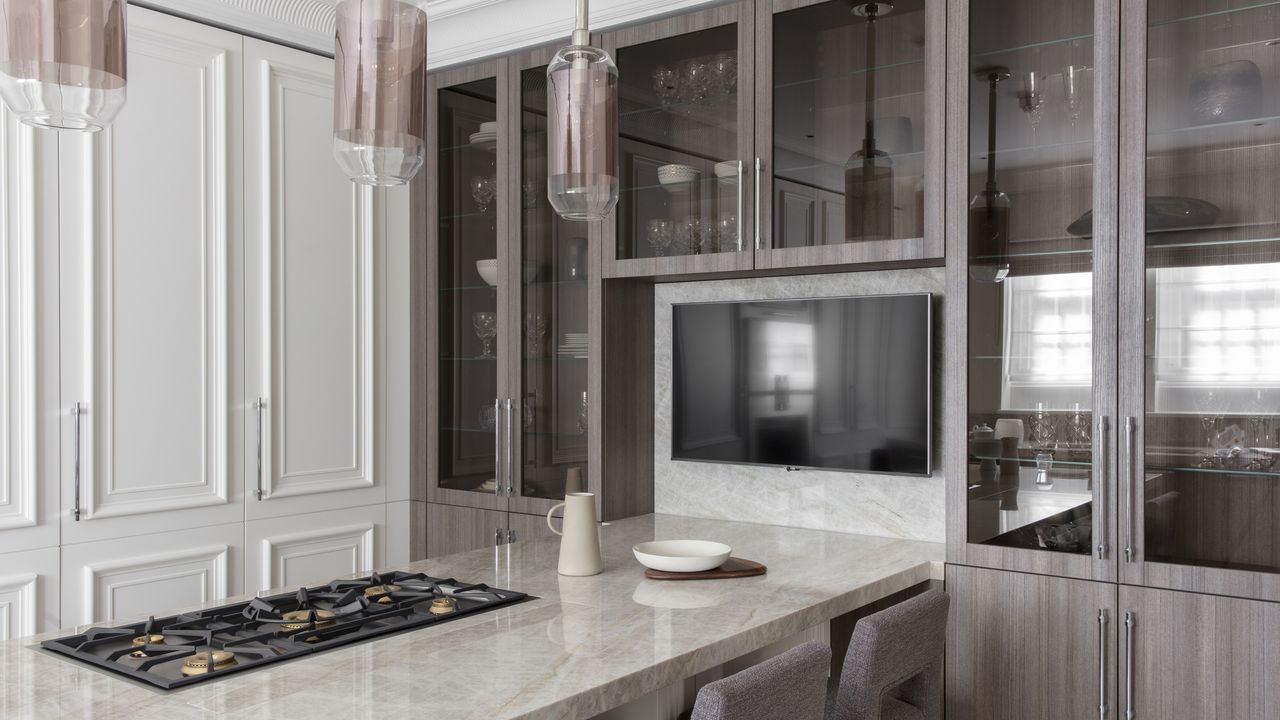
(871, 504)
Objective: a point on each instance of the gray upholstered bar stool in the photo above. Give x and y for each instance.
(789, 686)
(893, 669)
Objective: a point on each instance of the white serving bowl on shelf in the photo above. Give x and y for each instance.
(727, 170)
(488, 270)
(678, 174)
(682, 555)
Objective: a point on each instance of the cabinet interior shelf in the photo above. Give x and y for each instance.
(1028, 46)
(527, 285)
(526, 432)
(1029, 461)
(466, 215)
(846, 75)
(490, 151)
(1213, 136)
(527, 358)
(1191, 469)
(1213, 14)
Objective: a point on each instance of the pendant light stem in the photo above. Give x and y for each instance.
(581, 35)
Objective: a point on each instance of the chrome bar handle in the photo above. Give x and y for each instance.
(510, 474)
(258, 406)
(738, 218)
(497, 448)
(1130, 450)
(1102, 664)
(1104, 430)
(759, 243)
(76, 411)
(511, 536)
(1128, 666)
(497, 537)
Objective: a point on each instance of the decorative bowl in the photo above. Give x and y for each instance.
(727, 170)
(682, 555)
(488, 270)
(677, 174)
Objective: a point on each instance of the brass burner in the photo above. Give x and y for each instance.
(299, 619)
(148, 640)
(198, 664)
(442, 606)
(382, 590)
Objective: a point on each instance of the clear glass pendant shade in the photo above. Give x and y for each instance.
(582, 133)
(62, 62)
(380, 61)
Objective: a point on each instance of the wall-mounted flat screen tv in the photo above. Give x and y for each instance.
(831, 383)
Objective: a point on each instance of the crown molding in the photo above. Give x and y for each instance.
(458, 31)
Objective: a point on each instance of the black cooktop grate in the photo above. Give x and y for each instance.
(180, 650)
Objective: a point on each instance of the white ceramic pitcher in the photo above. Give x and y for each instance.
(580, 540)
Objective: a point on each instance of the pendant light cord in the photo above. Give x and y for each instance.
(869, 142)
(581, 35)
(993, 78)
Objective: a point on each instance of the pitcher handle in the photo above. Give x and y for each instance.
(549, 514)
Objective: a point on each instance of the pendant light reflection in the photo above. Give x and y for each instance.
(62, 64)
(989, 209)
(379, 61)
(582, 128)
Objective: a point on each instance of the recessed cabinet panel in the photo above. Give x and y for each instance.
(28, 593)
(290, 552)
(311, 239)
(149, 244)
(1211, 390)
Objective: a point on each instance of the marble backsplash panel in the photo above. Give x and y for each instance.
(865, 503)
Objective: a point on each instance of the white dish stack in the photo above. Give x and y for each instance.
(574, 346)
(487, 137)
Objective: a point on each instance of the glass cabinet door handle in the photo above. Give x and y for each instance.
(510, 472)
(1102, 664)
(258, 406)
(759, 242)
(1130, 434)
(1128, 666)
(1104, 430)
(738, 217)
(497, 448)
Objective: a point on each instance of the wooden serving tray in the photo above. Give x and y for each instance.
(732, 568)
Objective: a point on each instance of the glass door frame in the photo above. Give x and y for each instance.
(535, 59)
(742, 14)
(1136, 569)
(1100, 564)
(932, 244)
(436, 82)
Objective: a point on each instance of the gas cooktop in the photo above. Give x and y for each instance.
(194, 647)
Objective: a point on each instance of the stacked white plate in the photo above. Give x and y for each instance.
(486, 137)
(574, 345)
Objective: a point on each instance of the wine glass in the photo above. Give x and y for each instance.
(482, 192)
(1208, 407)
(666, 84)
(1031, 99)
(488, 417)
(1042, 435)
(1073, 91)
(696, 80)
(486, 325)
(582, 413)
(535, 326)
(658, 233)
(724, 67)
(727, 232)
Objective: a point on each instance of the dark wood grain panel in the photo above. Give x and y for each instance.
(453, 529)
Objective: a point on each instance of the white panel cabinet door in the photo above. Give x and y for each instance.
(152, 250)
(151, 574)
(28, 337)
(28, 593)
(290, 552)
(310, 271)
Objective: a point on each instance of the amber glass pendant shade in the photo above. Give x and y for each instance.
(379, 64)
(62, 62)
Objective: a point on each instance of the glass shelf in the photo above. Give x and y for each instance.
(1241, 472)
(467, 215)
(1213, 14)
(1210, 136)
(1014, 254)
(491, 151)
(1032, 46)
(466, 288)
(1030, 462)
(705, 178)
(526, 432)
(720, 104)
(852, 74)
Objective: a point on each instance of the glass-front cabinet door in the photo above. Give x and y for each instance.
(685, 113)
(558, 264)
(1200, 257)
(1031, 276)
(849, 131)
(467, 278)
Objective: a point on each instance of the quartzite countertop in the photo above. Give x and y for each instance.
(585, 646)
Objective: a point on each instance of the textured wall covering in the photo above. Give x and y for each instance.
(885, 505)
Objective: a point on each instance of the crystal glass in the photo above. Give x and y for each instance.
(727, 232)
(1031, 98)
(535, 327)
(582, 413)
(1209, 408)
(488, 417)
(696, 80)
(582, 133)
(62, 64)
(659, 235)
(1073, 91)
(666, 84)
(483, 191)
(724, 68)
(486, 326)
(379, 63)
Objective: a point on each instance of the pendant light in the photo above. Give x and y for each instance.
(989, 209)
(868, 175)
(62, 64)
(582, 128)
(379, 60)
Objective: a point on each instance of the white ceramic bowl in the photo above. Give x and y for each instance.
(489, 127)
(677, 174)
(727, 170)
(682, 555)
(488, 270)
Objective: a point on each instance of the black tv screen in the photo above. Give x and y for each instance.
(833, 383)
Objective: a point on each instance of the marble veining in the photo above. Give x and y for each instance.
(865, 503)
(586, 645)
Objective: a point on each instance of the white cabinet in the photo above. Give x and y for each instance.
(317, 547)
(139, 576)
(312, 348)
(28, 592)
(151, 240)
(28, 350)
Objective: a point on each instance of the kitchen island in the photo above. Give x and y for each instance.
(583, 647)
